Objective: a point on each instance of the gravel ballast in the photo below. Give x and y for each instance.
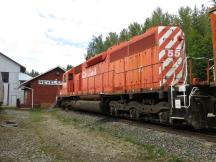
(59, 135)
(186, 148)
(68, 136)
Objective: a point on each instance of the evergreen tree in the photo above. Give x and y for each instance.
(111, 40)
(68, 67)
(32, 73)
(185, 22)
(124, 35)
(134, 29)
(213, 2)
(159, 18)
(95, 46)
(194, 23)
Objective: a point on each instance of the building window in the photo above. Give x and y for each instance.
(57, 73)
(5, 77)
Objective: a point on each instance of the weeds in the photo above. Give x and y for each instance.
(64, 120)
(36, 115)
(146, 151)
(175, 159)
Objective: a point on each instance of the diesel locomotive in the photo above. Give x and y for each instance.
(144, 78)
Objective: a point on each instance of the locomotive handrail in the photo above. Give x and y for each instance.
(185, 80)
(212, 67)
(172, 90)
(186, 75)
(200, 58)
(171, 96)
(193, 91)
(172, 84)
(125, 70)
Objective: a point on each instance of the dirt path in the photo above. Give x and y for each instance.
(41, 136)
(70, 143)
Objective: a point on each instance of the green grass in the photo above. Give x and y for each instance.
(175, 159)
(9, 107)
(36, 115)
(4, 116)
(53, 151)
(146, 151)
(64, 120)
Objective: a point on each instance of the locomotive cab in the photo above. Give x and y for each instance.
(68, 83)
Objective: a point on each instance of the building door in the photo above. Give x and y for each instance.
(5, 79)
(13, 100)
(5, 100)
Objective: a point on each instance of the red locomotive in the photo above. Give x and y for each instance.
(144, 78)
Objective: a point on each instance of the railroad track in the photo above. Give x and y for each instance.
(208, 135)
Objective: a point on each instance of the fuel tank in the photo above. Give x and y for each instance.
(85, 105)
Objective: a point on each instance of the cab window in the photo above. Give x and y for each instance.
(70, 76)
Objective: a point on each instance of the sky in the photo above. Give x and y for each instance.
(43, 34)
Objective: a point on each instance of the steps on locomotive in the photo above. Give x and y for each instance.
(179, 101)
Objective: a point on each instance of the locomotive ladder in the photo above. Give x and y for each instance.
(179, 101)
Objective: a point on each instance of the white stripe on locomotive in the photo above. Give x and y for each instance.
(173, 41)
(160, 28)
(173, 69)
(166, 35)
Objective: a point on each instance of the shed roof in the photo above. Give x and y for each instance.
(24, 77)
(28, 81)
(22, 68)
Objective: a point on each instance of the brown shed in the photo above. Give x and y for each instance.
(43, 89)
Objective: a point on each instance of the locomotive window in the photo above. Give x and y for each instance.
(77, 70)
(70, 76)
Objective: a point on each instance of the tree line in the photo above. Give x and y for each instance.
(33, 73)
(194, 22)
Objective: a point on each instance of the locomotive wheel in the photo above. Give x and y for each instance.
(197, 116)
(113, 108)
(134, 114)
(111, 111)
(114, 111)
(163, 117)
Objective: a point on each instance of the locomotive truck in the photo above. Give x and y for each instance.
(144, 78)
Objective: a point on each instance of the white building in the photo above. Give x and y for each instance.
(12, 75)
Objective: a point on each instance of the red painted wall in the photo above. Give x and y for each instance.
(44, 94)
